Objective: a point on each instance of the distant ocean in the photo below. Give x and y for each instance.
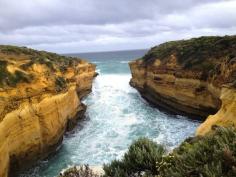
(116, 115)
(112, 62)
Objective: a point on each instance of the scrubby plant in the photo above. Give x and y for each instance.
(82, 171)
(63, 68)
(60, 84)
(25, 66)
(212, 155)
(3, 71)
(196, 53)
(11, 50)
(20, 76)
(50, 59)
(11, 79)
(141, 158)
(234, 83)
(46, 62)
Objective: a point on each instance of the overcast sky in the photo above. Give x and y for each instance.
(68, 26)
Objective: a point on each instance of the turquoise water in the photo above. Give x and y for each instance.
(116, 116)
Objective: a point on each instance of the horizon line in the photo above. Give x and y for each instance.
(105, 51)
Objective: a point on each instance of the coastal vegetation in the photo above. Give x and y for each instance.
(40, 56)
(212, 155)
(140, 158)
(204, 54)
(60, 83)
(21, 60)
(195, 53)
(82, 171)
(11, 79)
(200, 156)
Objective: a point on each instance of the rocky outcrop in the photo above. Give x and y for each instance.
(180, 95)
(195, 77)
(225, 116)
(39, 100)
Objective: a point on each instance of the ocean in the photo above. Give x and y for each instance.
(116, 115)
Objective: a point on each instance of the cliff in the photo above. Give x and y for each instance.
(39, 100)
(195, 77)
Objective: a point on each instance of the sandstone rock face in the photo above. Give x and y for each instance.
(225, 116)
(173, 76)
(36, 113)
(185, 95)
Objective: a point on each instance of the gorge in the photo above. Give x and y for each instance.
(116, 116)
(43, 95)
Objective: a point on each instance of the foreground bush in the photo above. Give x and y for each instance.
(141, 158)
(82, 171)
(213, 155)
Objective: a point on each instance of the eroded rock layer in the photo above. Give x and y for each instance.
(196, 77)
(39, 100)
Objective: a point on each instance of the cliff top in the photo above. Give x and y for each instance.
(210, 58)
(22, 65)
(194, 52)
(26, 73)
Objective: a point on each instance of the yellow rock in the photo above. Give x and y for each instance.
(35, 114)
(163, 88)
(225, 116)
(185, 93)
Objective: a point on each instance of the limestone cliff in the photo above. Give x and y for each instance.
(196, 77)
(39, 100)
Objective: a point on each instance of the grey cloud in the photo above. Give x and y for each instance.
(89, 25)
(18, 14)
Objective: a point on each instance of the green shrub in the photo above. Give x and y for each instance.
(51, 60)
(234, 83)
(63, 68)
(8, 49)
(25, 66)
(7, 78)
(82, 171)
(22, 77)
(213, 155)
(60, 84)
(141, 157)
(18, 77)
(193, 52)
(46, 62)
(3, 71)
(11, 50)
